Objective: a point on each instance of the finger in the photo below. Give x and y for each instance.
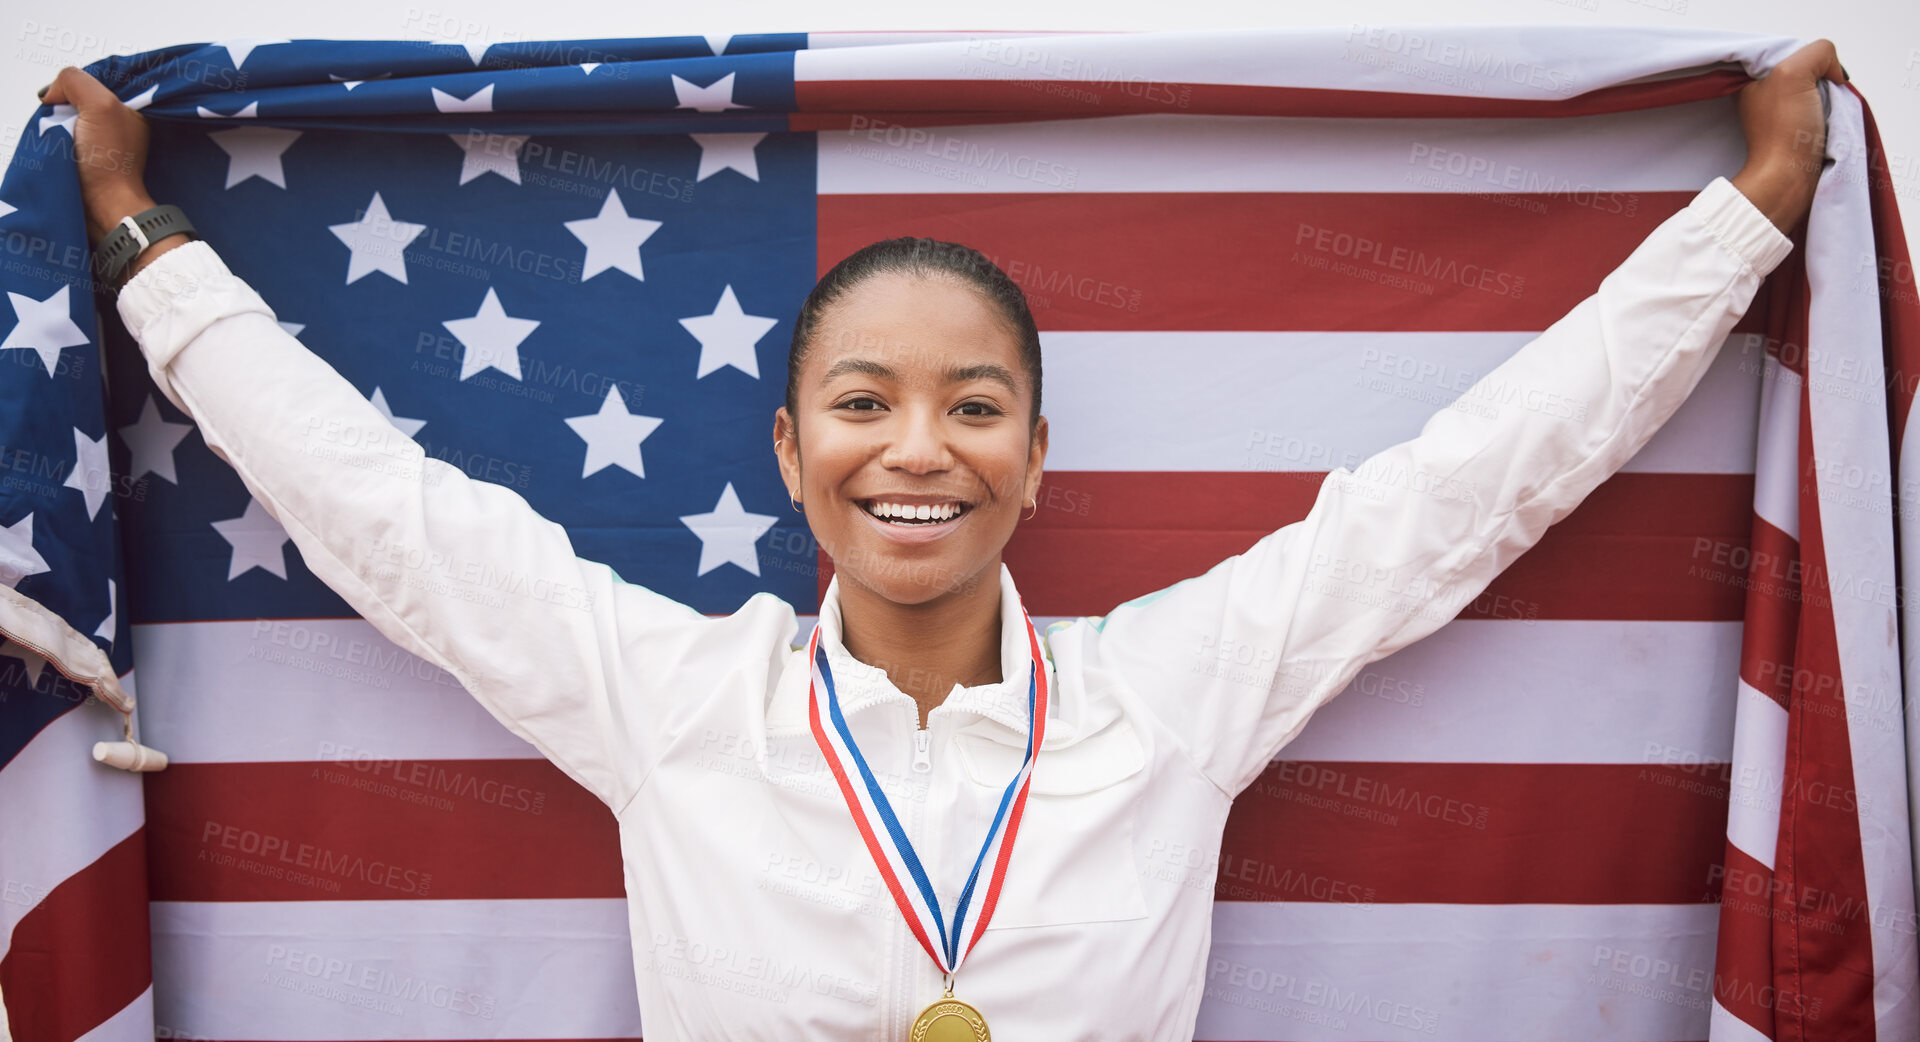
(1830, 68)
(77, 87)
(1816, 61)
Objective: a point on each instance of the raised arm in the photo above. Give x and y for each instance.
(462, 573)
(1233, 662)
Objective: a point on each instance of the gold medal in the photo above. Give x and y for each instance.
(948, 1019)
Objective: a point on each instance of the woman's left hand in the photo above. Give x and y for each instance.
(1786, 129)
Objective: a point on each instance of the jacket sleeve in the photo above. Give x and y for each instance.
(463, 573)
(1232, 663)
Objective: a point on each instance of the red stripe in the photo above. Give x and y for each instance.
(1827, 959)
(1783, 309)
(1899, 286)
(1772, 620)
(1743, 960)
(1034, 741)
(82, 954)
(1273, 260)
(450, 829)
(1476, 833)
(838, 104)
(1642, 546)
(860, 818)
(1599, 834)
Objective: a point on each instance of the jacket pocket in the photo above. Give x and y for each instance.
(1073, 859)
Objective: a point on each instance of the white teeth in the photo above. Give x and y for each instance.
(921, 512)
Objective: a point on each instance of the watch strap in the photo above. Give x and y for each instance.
(119, 247)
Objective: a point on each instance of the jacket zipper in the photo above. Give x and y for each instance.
(922, 746)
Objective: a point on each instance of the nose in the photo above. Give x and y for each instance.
(918, 444)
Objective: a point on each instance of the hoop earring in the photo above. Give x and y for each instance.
(795, 504)
(1036, 509)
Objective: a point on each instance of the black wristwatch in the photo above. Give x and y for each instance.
(134, 234)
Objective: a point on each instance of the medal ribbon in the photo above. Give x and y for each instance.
(880, 827)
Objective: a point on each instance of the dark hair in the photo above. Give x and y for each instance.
(926, 258)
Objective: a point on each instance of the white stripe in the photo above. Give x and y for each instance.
(1370, 391)
(1759, 772)
(1853, 474)
(1468, 61)
(300, 690)
(1601, 973)
(1725, 1027)
(60, 811)
(1676, 148)
(531, 960)
(1640, 691)
(395, 969)
(1547, 691)
(134, 1023)
(816, 41)
(1776, 488)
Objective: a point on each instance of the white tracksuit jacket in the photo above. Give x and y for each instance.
(693, 729)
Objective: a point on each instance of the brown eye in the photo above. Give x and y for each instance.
(851, 402)
(988, 410)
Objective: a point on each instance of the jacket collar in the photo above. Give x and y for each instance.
(862, 687)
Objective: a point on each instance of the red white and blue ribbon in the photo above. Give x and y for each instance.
(887, 841)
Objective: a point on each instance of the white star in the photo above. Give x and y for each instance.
(61, 116)
(105, 629)
(492, 338)
(7, 208)
(255, 152)
(92, 475)
(716, 97)
(238, 49)
(490, 154)
(476, 49)
(613, 239)
(727, 336)
(727, 152)
(257, 539)
(292, 328)
(408, 426)
(248, 111)
(32, 659)
(728, 533)
(613, 435)
(18, 558)
(152, 441)
(588, 67)
(377, 241)
(350, 84)
(479, 101)
(719, 41)
(140, 101)
(45, 326)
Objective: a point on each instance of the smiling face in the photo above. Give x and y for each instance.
(912, 395)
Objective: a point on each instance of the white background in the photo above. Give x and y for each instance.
(1879, 40)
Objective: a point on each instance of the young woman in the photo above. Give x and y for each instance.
(814, 836)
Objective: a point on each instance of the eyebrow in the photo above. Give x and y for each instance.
(957, 374)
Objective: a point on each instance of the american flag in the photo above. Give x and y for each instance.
(1652, 784)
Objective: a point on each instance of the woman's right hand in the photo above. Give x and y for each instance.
(109, 150)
